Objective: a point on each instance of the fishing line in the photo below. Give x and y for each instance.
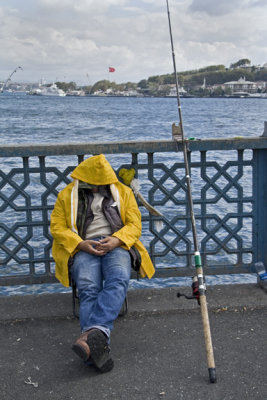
(178, 135)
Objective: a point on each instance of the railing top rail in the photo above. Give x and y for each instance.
(53, 149)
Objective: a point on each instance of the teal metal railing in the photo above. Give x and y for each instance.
(229, 188)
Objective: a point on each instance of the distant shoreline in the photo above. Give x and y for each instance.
(9, 93)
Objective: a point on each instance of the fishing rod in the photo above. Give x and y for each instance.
(178, 134)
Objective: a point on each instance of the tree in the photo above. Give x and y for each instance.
(243, 61)
(130, 86)
(66, 86)
(143, 84)
(164, 91)
(168, 79)
(212, 68)
(87, 89)
(101, 85)
(154, 79)
(218, 92)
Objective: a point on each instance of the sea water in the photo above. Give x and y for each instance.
(48, 119)
(26, 119)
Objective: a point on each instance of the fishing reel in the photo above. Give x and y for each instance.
(195, 290)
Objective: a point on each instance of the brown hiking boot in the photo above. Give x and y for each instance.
(81, 347)
(99, 350)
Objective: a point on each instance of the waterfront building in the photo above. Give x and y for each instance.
(242, 85)
(173, 93)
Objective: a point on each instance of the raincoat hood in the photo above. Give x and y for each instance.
(95, 170)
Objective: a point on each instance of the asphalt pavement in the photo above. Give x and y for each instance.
(158, 348)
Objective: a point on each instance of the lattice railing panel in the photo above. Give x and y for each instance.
(224, 204)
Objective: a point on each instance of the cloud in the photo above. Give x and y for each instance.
(80, 6)
(68, 39)
(216, 8)
(225, 7)
(82, 42)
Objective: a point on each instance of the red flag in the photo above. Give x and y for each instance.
(111, 69)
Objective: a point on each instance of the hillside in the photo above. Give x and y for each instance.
(191, 81)
(216, 74)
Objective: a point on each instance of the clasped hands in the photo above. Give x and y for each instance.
(101, 247)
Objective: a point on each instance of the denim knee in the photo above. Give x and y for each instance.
(86, 271)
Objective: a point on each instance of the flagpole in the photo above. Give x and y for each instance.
(110, 70)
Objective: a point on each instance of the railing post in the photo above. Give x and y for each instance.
(260, 203)
(265, 129)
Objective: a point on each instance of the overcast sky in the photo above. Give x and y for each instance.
(77, 40)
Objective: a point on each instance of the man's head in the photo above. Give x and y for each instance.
(95, 171)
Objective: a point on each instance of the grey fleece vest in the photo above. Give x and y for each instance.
(86, 216)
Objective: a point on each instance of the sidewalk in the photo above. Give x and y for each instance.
(158, 348)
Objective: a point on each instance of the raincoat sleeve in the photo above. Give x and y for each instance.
(60, 227)
(131, 218)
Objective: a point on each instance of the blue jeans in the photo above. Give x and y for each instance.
(102, 283)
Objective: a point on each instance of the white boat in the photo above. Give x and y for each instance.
(75, 93)
(52, 90)
(258, 95)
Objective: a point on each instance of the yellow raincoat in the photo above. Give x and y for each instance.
(95, 170)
